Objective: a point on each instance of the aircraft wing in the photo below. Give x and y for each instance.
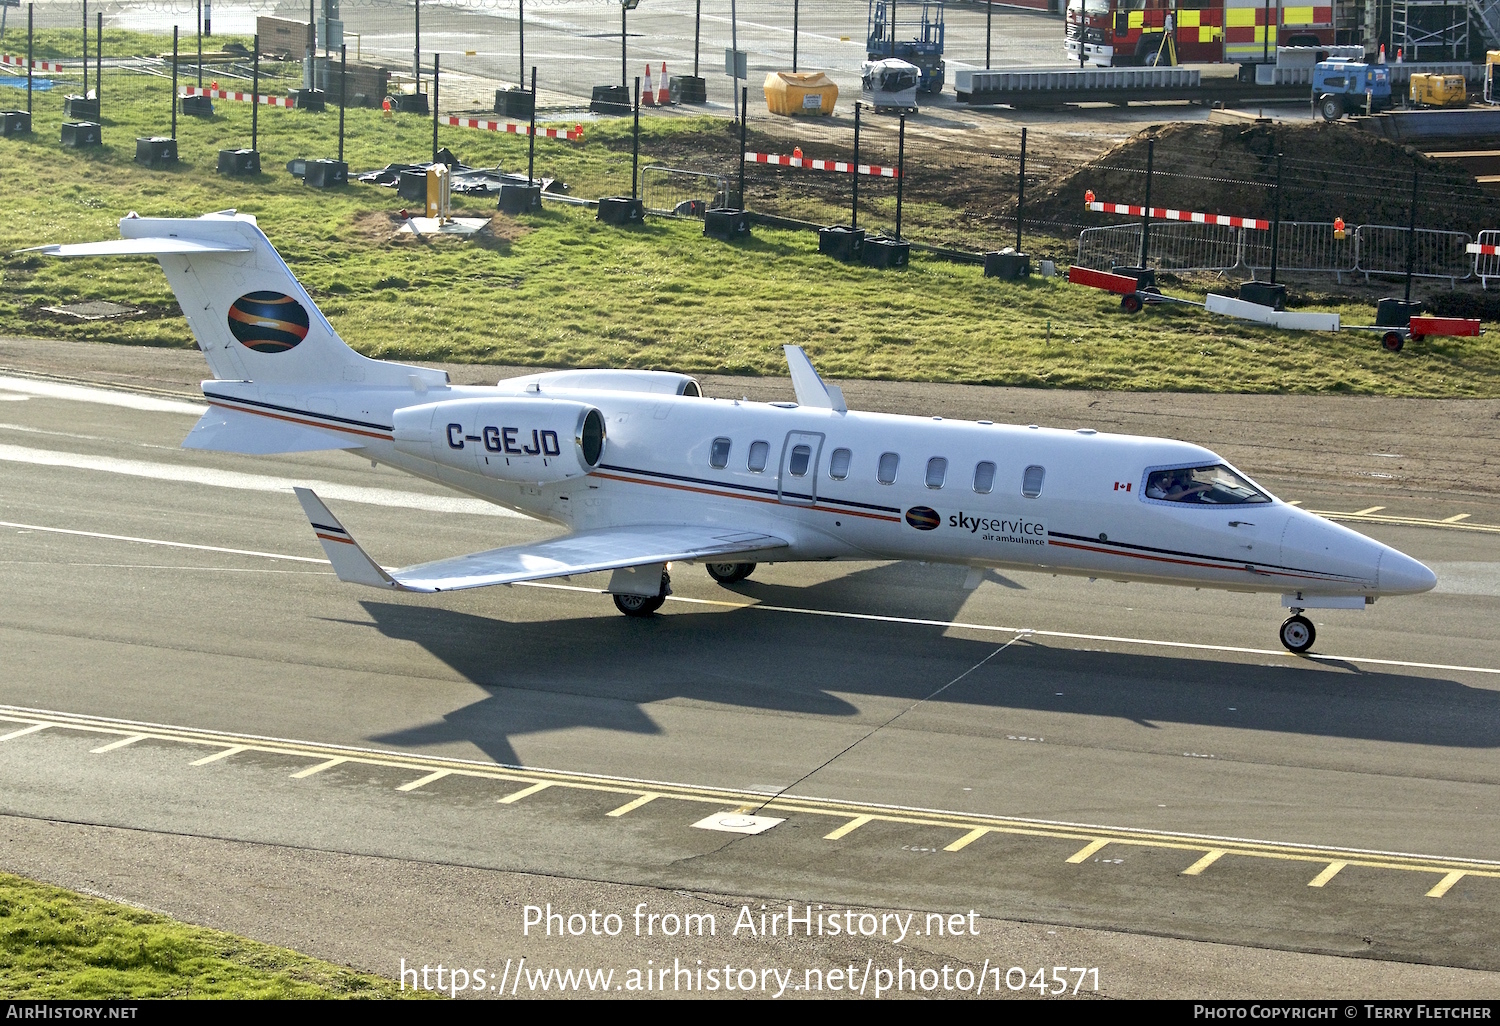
(582, 553)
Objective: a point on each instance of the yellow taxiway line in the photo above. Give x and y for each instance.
(968, 828)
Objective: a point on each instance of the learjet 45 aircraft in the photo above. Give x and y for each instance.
(644, 471)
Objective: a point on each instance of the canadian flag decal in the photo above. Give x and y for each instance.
(1123, 486)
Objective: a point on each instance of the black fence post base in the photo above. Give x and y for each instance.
(155, 152)
(1264, 293)
(687, 89)
(80, 134)
(310, 99)
(885, 253)
(726, 223)
(621, 210)
(1011, 266)
(325, 174)
(198, 106)
(14, 122)
(519, 199)
(239, 162)
(842, 242)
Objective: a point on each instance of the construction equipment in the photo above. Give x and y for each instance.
(889, 85)
(1438, 91)
(925, 50)
(1350, 87)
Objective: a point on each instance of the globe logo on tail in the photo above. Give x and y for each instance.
(923, 518)
(268, 322)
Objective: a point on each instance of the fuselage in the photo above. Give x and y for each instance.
(855, 485)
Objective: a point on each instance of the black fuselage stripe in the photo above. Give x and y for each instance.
(300, 413)
(745, 488)
(1235, 563)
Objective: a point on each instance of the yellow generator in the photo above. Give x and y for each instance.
(797, 93)
(1438, 91)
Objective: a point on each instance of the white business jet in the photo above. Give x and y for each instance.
(644, 471)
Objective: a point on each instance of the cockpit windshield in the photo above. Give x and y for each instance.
(1207, 486)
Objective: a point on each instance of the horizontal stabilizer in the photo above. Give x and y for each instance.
(139, 247)
(1309, 321)
(587, 552)
(223, 430)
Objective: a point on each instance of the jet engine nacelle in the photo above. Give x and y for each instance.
(535, 441)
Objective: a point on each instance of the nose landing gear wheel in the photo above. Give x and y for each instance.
(644, 605)
(728, 573)
(1297, 634)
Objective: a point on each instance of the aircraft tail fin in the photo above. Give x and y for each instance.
(251, 317)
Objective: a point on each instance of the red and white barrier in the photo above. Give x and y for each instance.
(1163, 214)
(20, 62)
(783, 160)
(224, 94)
(574, 134)
(1482, 250)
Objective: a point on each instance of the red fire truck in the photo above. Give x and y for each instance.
(1111, 33)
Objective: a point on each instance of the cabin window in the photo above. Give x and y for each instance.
(937, 470)
(886, 474)
(797, 465)
(1205, 486)
(759, 452)
(1031, 481)
(984, 477)
(838, 464)
(718, 456)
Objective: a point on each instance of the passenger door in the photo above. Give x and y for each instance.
(797, 482)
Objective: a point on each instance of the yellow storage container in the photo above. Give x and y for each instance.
(1438, 90)
(795, 93)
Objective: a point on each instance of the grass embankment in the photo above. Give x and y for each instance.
(559, 289)
(55, 944)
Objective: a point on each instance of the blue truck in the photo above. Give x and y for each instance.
(1349, 87)
(925, 49)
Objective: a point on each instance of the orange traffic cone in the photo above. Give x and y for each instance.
(663, 91)
(1382, 54)
(1399, 52)
(648, 94)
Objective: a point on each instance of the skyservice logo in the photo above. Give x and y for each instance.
(268, 322)
(923, 518)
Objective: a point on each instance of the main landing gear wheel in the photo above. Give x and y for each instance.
(1297, 634)
(645, 605)
(728, 573)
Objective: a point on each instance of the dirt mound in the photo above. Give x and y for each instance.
(1328, 171)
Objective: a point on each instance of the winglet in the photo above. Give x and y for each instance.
(810, 389)
(348, 559)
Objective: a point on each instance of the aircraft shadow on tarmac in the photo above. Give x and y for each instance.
(601, 671)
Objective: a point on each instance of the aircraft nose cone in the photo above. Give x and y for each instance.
(1402, 575)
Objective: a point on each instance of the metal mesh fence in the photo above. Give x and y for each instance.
(1382, 250)
(1487, 265)
(675, 191)
(1303, 246)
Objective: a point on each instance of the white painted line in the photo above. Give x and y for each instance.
(222, 754)
(117, 744)
(158, 541)
(252, 482)
(737, 823)
(24, 731)
(103, 396)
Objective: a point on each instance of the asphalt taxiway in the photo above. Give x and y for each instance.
(1140, 771)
